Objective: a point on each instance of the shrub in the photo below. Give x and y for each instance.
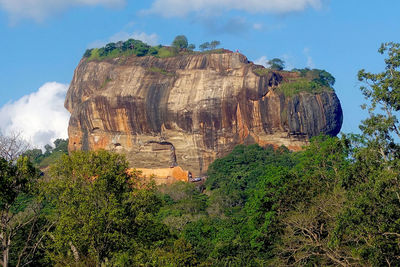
(321, 77)
(164, 52)
(302, 85)
(261, 71)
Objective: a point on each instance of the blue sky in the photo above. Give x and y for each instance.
(43, 41)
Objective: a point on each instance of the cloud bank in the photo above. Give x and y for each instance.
(40, 117)
(40, 9)
(174, 8)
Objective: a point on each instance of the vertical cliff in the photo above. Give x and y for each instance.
(188, 110)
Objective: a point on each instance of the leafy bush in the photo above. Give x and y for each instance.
(164, 52)
(313, 81)
(322, 77)
(262, 71)
(302, 85)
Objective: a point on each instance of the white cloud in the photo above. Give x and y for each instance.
(310, 62)
(262, 61)
(173, 8)
(151, 39)
(288, 59)
(40, 9)
(257, 26)
(40, 117)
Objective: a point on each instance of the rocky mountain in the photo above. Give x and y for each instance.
(190, 109)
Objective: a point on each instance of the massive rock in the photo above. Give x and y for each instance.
(190, 109)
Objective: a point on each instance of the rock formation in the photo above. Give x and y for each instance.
(190, 109)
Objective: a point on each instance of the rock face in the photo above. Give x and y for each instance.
(189, 109)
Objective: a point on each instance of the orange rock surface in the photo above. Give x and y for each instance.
(189, 110)
(163, 175)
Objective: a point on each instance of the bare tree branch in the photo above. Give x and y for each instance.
(12, 146)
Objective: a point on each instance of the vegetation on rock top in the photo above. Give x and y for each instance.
(302, 85)
(138, 48)
(312, 81)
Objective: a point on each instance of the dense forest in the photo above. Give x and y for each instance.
(337, 202)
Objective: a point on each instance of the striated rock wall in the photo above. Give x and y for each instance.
(189, 109)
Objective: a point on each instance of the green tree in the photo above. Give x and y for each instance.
(88, 53)
(17, 180)
(48, 150)
(276, 64)
(61, 145)
(214, 44)
(109, 47)
(180, 42)
(383, 91)
(235, 176)
(204, 46)
(233, 232)
(51, 155)
(325, 78)
(100, 216)
(35, 155)
(321, 77)
(183, 254)
(314, 197)
(183, 204)
(132, 46)
(369, 226)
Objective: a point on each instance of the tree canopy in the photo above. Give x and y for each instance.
(100, 214)
(276, 64)
(209, 45)
(18, 210)
(180, 42)
(51, 154)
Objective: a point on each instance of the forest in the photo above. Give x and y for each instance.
(335, 203)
